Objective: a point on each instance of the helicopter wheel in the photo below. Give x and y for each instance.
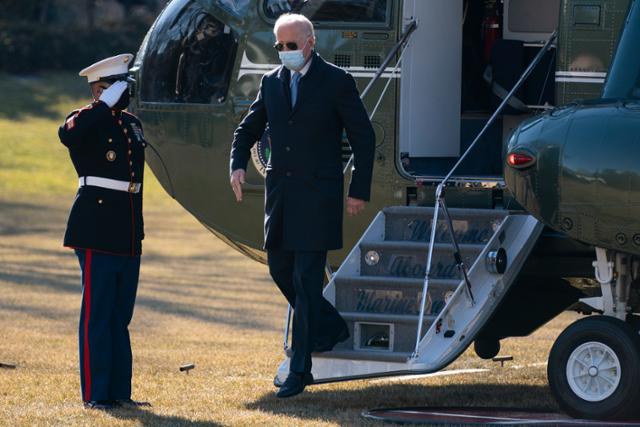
(594, 369)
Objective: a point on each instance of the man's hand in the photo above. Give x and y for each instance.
(237, 179)
(112, 94)
(355, 206)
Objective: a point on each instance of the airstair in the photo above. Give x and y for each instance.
(421, 282)
(379, 289)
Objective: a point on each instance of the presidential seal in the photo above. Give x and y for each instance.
(261, 152)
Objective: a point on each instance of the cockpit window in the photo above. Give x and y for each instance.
(237, 7)
(189, 57)
(330, 10)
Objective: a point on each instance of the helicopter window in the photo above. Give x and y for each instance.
(189, 57)
(330, 10)
(237, 7)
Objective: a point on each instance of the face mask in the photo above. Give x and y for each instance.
(292, 59)
(123, 102)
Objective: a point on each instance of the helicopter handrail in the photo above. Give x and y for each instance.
(440, 196)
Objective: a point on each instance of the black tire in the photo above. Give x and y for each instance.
(623, 402)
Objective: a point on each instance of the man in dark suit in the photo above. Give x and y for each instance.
(307, 103)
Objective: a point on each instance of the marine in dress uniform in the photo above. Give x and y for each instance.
(105, 228)
(308, 104)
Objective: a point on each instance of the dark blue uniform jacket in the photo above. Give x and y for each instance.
(105, 143)
(304, 182)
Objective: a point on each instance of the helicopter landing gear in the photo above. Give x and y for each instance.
(594, 365)
(610, 266)
(594, 369)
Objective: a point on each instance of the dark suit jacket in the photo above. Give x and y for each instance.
(304, 183)
(109, 144)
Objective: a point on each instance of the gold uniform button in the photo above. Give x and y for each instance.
(110, 140)
(99, 201)
(120, 122)
(111, 155)
(125, 130)
(113, 113)
(133, 174)
(130, 163)
(129, 152)
(144, 144)
(129, 140)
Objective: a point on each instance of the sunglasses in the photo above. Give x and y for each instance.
(290, 46)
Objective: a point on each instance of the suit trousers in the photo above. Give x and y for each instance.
(299, 276)
(109, 285)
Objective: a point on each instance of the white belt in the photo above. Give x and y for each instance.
(112, 184)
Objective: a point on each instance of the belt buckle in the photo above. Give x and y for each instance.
(134, 187)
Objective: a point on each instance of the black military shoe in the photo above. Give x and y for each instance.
(130, 403)
(294, 384)
(323, 345)
(100, 405)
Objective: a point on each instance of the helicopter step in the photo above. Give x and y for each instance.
(379, 289)
(382, 312)
(406, 259)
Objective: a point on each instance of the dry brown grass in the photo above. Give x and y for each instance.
(199, 301)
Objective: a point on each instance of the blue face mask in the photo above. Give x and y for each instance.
(293, 59)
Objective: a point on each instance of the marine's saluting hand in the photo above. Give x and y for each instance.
(237, 179)
(112, 94)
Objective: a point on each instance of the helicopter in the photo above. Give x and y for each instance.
(472, 217)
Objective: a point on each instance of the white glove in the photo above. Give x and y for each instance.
(112, 94)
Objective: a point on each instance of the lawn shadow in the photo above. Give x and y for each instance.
(40, 96)
(20, 218)
(149, 418)
(234, 313)
(337, 406)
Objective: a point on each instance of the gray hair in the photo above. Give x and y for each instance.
(294, 18)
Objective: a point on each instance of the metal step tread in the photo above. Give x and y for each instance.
(363, 316)
(376, 355)
(381, 281)
(416, 246)
(455, 213)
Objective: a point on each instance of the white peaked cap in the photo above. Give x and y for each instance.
(112, 66)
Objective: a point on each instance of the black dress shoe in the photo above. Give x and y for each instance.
(100, 405)
(321, 345)
(130, 403)
(294, 384)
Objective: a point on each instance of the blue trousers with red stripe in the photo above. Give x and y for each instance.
(109, 285)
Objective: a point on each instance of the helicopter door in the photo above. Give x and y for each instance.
(462, 60)
(430, 85)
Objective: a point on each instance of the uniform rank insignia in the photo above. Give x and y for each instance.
(137, 131)
(70, 123)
